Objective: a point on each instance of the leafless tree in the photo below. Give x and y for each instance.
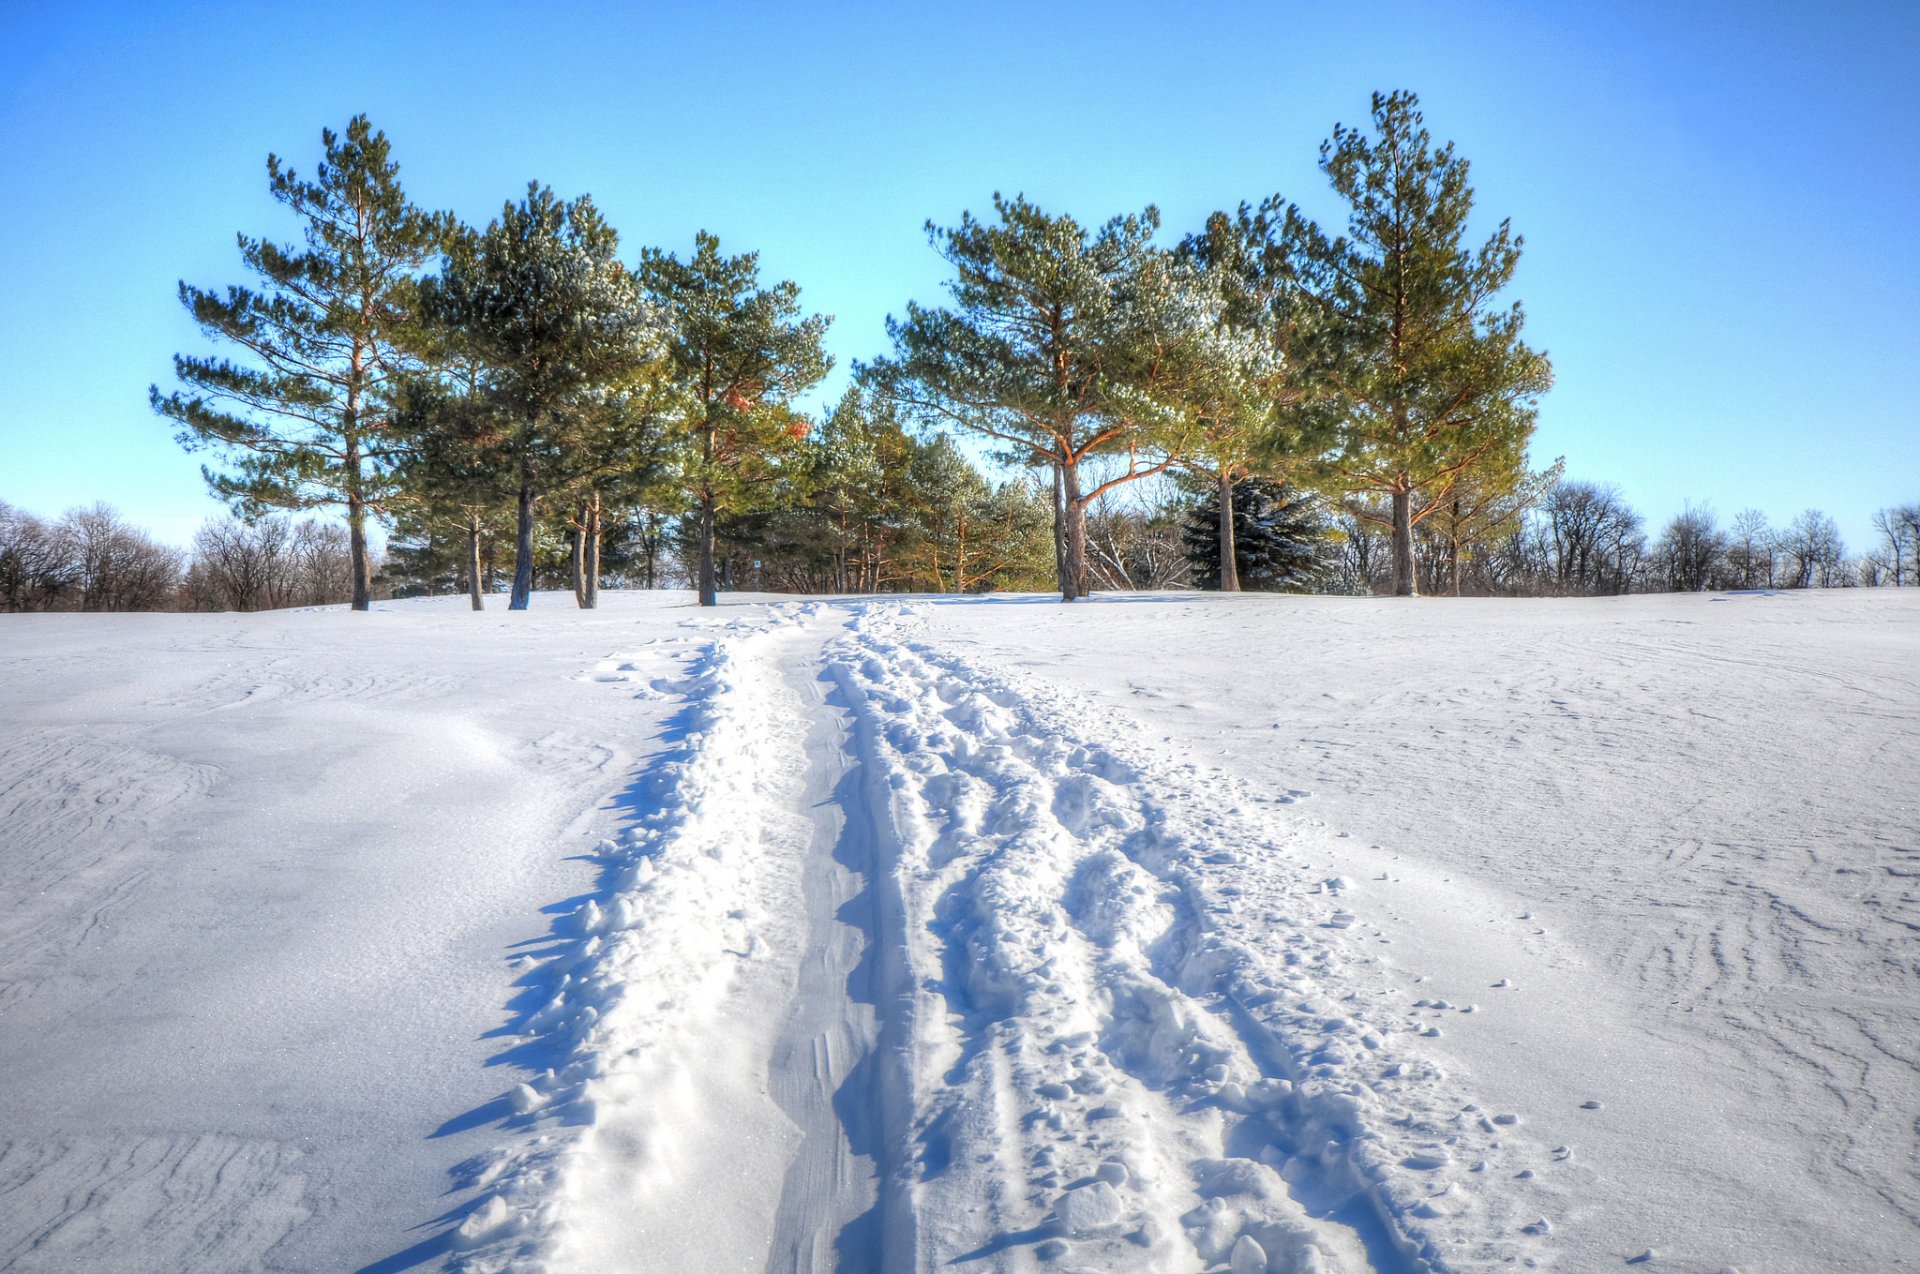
(1690, 555)
(35, 570)
(1134, 542)
(1814, 556)
(1595, 540)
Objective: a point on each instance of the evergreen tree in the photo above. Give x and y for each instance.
(739, 354)
(1280, 537)
(304, 417)
(1063, 347)
(540, 298)
(1422, 378)
(1247, 404)
(964, 534)
(1485, 505)
(618, 467)
(454, 475)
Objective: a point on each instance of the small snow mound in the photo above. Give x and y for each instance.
(1248, 1257)
(1087, 1210)
(483, 1223)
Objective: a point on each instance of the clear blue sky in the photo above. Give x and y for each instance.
(1719, 199)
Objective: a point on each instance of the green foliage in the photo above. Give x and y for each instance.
(303, 416)
(559, 332)
(1061, 347)
(1419, 376)
(1282, 542)
(739, 354)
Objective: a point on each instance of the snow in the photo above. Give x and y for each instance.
(1172, 932)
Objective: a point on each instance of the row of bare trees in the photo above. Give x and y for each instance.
(1583, 539)
(90, 559)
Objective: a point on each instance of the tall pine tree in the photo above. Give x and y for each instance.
(541, 299)
(1423, 378)
(304, 416)
(1061, 346)
(740, 353)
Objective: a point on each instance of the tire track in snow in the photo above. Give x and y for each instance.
(1140, 1039)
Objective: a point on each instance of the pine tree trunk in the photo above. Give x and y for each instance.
(1073, 574)
(361, 566)
(1059, 528)
(1403, 581)
(1229, 552)
(709, 595)
(590, 599)
(577, 556)
(523, 540)
(473, 562)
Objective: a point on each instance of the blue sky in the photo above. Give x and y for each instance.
(1719, 199)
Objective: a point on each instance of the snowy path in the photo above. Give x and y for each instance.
(1017, 1000)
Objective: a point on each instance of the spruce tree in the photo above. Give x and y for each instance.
(1061, 347)
(304, 416)
(739, 353)
(1280, 539)
(541, 299)
(1423, 379)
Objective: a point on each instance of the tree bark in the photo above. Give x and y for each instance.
(523, 539)
(1403, 581)
(1059, 528)
(362, 566)
(1229, 552)
(709, 595)
(473, 562)
(590, 597)
(577, 557)
(1073, 573)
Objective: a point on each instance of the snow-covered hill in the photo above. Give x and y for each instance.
(1168, 933)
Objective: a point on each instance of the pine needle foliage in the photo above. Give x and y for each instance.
(302, 414)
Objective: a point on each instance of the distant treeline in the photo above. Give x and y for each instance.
(1262, 404)
(1576, 540)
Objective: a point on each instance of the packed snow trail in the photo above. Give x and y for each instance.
(1005, 998)
(1142, 1038)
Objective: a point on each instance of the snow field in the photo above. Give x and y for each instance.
(976, 934)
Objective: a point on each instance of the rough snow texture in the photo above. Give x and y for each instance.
(1175, 933)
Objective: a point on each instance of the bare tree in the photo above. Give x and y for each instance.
(1134, 542)
(1596, 541)
(114, 566)
(1690, 555)
(1752, 551)
(35, 569)
(1814, 555)
(1900, 526)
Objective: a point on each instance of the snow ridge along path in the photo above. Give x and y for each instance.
(1142, 1037)
(648, 1139)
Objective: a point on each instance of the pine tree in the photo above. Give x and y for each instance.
(1423, 379)
(1061, 347)
(1247, 398)
(304, 417)
(740, 353)
(1280, 539)
(541, 299)
(453, 473)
